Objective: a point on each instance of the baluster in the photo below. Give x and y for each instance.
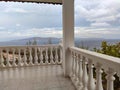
(85, 77)
(8, 59)
(30, 57)
(77, 68)
(74, 69)
(36, 56)
(51, 56)
(61, 56)
(41, 56)
(46, 56)
(80, 73)
(14, 58)
(56, 56)
(91, 83)
(2, 59)
(73, 59)
(25, 58)
(110, 79)
(99, 85)
(19, 57)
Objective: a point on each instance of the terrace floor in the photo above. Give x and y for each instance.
(49, 77)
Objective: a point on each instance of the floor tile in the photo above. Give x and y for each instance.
(49, 77)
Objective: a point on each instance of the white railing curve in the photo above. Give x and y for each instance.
(17, 56)
(91, 67)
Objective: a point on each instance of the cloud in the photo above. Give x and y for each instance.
(15, 10)
(92, 19)
(2, 28)
(80, 32)
(18, 25)
(107, 11)
(93, 32)
(98, 24)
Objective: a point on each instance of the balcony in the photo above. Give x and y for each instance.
(42, 68)
(57, 67)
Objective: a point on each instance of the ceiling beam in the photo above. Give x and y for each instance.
(36, 1)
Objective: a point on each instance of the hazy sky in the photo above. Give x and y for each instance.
(93, 19)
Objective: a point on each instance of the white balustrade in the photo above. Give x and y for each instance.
(83, 63)
(17, 56)
(88, 62)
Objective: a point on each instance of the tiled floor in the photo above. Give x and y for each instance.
(48, 77)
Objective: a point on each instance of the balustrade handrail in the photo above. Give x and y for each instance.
(106, 60)
(22, 46)
(96, 55)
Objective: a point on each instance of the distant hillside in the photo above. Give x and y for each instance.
(89, 43)
(39, 40)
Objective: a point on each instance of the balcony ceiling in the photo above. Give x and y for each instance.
(36, 1)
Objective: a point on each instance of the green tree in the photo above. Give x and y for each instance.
(34, 42)
(104, 47)
(112, 50)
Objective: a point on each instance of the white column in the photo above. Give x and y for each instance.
(68, 34)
